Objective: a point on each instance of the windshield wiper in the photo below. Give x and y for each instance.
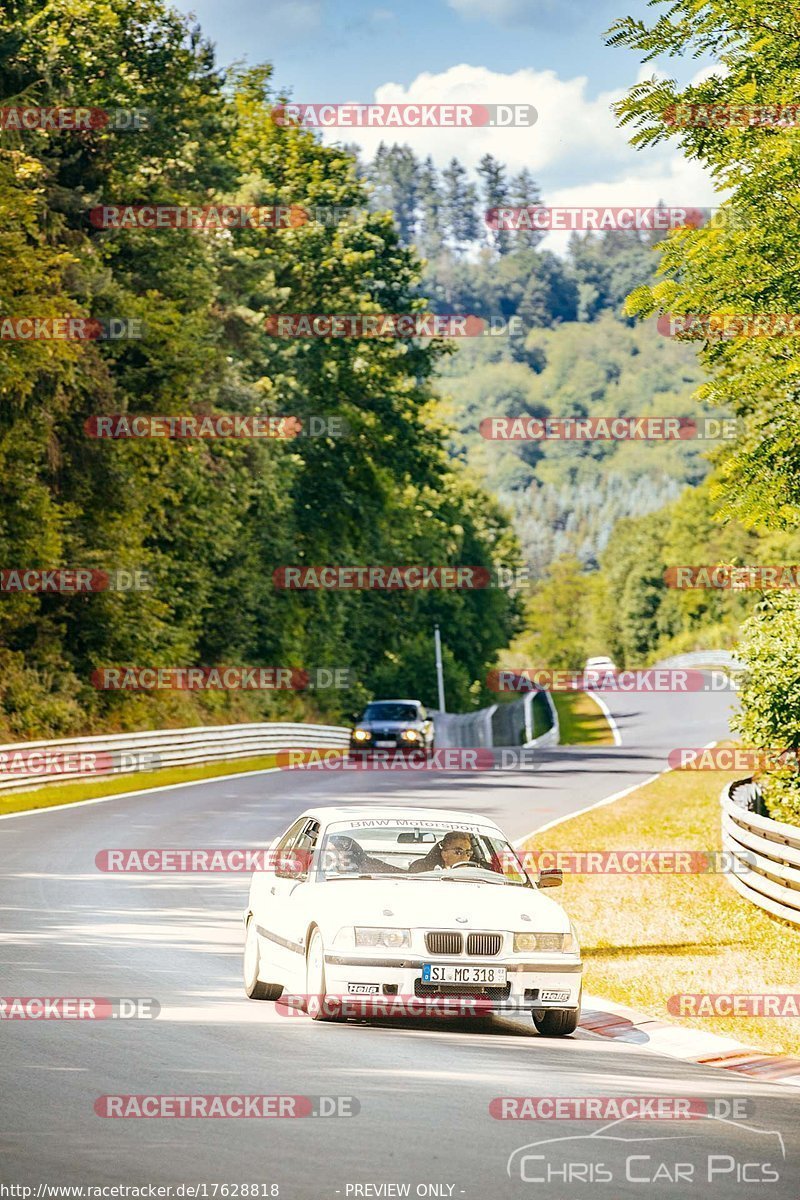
(350, 875)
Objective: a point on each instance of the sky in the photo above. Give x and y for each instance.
(549, 53)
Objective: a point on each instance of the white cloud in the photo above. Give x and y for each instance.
(679, 181)
(575, 147)
(714, 71)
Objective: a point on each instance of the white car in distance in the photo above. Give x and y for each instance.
(409, 902)
(602, 666)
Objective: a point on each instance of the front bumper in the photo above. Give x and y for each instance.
(530, 985)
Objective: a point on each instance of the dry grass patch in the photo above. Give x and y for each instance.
(581, 720)
(648, 937)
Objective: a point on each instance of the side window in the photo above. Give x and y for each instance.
(288, 838)
(300, 841)
(305, 844)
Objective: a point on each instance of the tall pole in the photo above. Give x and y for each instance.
(437, 641)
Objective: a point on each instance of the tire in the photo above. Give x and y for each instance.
(254, 987)
(556, 1022)
(318, 1006)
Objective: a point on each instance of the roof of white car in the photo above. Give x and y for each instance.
(418, 702)
(361, 812)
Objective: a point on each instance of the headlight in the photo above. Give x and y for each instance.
(565, 942)
(361, 735)
(395, 939)
(410, 735)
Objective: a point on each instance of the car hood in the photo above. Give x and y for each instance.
(438, 904)
(392, 726)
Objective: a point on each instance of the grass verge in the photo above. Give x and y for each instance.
(648, 937)
(51, 795)
(581, 720)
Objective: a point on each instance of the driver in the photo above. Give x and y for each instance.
(455, 847)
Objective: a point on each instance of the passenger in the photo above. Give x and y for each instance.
(455, 847)
(350, 858)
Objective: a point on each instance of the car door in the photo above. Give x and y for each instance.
(265, 900)
(288, 901)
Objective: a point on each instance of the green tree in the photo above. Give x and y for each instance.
(744, 262)
(460, 206)
(557, 632)
(494, 194)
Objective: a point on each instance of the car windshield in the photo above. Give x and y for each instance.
(390, 712)
(418, 849)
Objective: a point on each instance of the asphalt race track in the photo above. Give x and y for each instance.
(423, 1089)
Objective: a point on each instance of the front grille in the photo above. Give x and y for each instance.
(461, 989)
(484, 945)
(444, 942)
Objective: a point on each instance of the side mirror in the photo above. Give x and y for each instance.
(552, 878)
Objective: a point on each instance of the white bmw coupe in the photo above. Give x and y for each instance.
(408, 902)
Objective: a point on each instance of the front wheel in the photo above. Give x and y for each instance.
(319, 1006)
(254, 987)
(556, 1022)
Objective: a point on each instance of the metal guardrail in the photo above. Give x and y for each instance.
(704, 658)
(768, 852)
(511, 724)
(27, 764)
(23, 764)
(463, 730)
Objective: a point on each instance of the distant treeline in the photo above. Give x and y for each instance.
(209, 521)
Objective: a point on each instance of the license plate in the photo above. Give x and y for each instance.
(555, 997)
(384, 744)
(441, 973)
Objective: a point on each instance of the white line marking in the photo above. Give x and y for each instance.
(601, 704)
